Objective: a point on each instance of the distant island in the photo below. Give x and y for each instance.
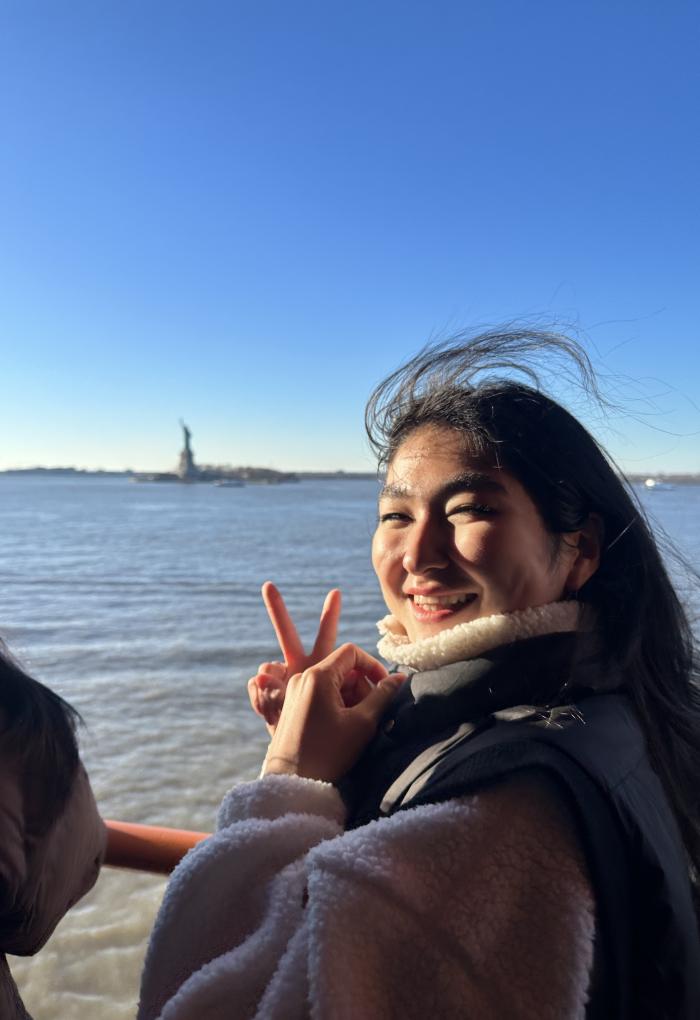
(189, 472)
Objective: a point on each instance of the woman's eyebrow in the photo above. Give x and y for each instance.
(395, 490)
(469, 481)
(472, 481)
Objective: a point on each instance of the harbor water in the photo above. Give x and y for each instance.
(140, 604)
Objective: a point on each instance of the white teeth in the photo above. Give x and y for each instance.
(439, 600)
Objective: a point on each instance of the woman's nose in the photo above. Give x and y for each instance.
(425, 550)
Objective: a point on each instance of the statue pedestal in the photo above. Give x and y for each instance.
(186, 468)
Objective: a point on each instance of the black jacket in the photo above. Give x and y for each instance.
(446, 736)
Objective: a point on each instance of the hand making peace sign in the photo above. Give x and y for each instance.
(267, 688)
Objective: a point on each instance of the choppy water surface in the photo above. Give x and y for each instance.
(140, 604)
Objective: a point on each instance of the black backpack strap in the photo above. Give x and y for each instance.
(413, 778)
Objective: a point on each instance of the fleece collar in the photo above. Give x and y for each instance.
(471, 639)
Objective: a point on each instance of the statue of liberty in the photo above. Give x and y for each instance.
(186, 468)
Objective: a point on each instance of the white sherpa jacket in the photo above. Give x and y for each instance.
(479, 908)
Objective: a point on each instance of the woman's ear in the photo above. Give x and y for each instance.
(587, 543)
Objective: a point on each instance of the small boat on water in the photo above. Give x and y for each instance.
(229, 483)
(655, 485)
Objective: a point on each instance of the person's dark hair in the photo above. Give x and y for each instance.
(467, 384)
(38, 727)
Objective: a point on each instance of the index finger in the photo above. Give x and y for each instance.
(289, 640)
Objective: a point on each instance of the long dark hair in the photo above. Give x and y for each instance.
(461, 384)
(37, 728)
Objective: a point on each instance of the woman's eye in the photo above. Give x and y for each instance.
(392, 515)
(478, 509)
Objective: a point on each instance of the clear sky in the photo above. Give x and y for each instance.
(245, 213)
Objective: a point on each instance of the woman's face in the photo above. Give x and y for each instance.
(458, 540)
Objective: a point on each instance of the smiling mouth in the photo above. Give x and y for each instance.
(438, 603)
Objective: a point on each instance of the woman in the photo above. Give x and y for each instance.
(514, 830)
(51, 835)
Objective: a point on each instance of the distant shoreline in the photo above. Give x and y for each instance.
(663, 478)
(71, 472)
(83, 472)
(670, 478)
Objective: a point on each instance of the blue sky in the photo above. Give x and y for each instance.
(245, 213)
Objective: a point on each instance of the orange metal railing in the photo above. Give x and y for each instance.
(148, 847)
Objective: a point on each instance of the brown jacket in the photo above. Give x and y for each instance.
(42, 873)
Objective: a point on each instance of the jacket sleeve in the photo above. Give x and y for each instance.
(479, 907)
(43, 875)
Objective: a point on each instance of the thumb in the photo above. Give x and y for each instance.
(378, 699)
